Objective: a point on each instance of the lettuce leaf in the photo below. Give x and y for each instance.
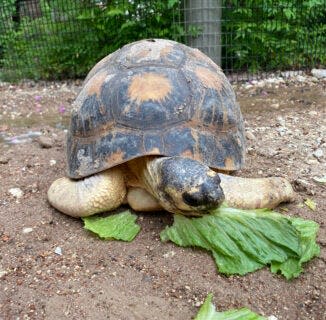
(243, 241)
(121, 226)
(207, 312)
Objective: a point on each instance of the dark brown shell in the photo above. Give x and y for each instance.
(155, 97)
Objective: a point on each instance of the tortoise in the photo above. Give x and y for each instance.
(156, 125)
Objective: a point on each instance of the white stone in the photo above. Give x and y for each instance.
(16, 192)
(319, 73)
(169, 254)
(3, 273)
(301, 78)
(27, 230)
(58, 251)
(318, 153)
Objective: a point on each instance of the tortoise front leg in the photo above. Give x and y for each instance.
(101, 192)
(141, 200)
(255, 193)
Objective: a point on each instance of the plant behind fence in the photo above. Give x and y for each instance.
(65, 38)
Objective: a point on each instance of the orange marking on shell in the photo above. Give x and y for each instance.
(93, 86)
(154, 151)
(209, 78)
(149, 86)
(187, 154)
(229, 163)
(116, 158)
(166, 50)
(141, 54)
(200, 55)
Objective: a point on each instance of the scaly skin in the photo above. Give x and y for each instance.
(98, 193)
(255, 193)
(162, 184)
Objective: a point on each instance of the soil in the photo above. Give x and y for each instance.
(51, 268)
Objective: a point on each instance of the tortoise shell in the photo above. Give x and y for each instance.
(155, 97)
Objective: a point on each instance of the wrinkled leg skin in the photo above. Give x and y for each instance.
(255, 193)
(101, 192)
(140, 200)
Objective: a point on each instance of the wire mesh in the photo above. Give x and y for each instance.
(53, 39)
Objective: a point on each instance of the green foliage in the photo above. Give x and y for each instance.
(269, 35)
(71, 36)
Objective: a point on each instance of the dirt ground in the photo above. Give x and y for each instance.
(51, 268)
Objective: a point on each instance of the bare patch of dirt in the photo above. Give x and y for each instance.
(147, 279)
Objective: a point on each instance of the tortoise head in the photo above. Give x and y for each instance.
(187, 186)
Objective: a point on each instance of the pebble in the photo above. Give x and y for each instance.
(4, 159)
(301, 78)
(3, 273)
(280, 121)
(16, 192)
(53, 162)
(58, 251)
(169, 254)
(302, 185)
(318, 153)
(27, 230)
(319, 73)
(45, 142)
(272, 318)
(250, 135)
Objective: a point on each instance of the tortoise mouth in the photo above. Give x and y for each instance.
(204, 201)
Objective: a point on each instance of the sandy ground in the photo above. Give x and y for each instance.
(147, 279)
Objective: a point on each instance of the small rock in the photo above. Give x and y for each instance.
(45, 142)
(169, 254)
(250, 135)
(275, 106)
(281, 131)
(272, 318)
(301, 78)
(318, 153)
(58, 251)
(280, 121)
(27, 230)
(53, 162)
(16, 192)
(3, 273)
(301, 185)
(198, 303)
(319, 73)
(4, 159)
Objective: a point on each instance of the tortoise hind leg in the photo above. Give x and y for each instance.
(104, 191)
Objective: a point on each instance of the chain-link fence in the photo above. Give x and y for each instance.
(55, 39)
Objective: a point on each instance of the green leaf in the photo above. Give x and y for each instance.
(311, 204)
(207, 312)
(119, 226)
(114, 12)
(171, 3)
(243, 241)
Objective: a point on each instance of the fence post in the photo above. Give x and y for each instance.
(205, 15)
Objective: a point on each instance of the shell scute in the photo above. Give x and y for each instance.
(155, 97)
